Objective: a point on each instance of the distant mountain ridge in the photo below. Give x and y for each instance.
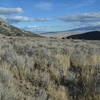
(89, 28)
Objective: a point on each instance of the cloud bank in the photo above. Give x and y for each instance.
(42, 19)
(76, 20)
(8, 11)
(85, 17)
(17, 19)
(46, 27)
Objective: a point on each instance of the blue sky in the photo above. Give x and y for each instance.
(50, 15)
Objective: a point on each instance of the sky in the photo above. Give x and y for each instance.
(50, 15)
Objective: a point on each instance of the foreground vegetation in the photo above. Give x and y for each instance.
(49, 69)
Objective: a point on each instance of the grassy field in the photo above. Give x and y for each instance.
(35, 68)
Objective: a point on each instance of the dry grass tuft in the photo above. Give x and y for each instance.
(49, 69)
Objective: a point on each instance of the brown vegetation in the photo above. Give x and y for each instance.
(49, 69)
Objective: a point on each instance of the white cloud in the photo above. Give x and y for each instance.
(83, 20)
(96, 23)
(46, 27)
(42, 19)
(17, 19)
(7, 11)
(85, 17)
(44, 5)
(91, 24)
(34, 27)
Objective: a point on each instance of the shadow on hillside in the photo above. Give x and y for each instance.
(93, 35)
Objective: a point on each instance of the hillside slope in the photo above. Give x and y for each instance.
(92, 35)
(9, 30)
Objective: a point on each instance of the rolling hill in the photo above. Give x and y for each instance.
(92, 35)
(9, 30)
